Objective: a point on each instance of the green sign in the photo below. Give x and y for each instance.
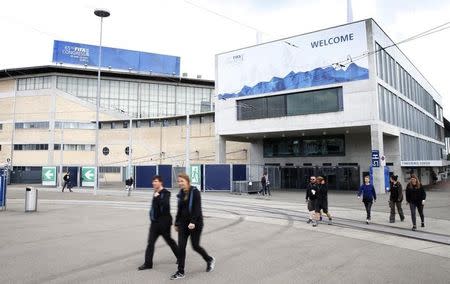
(87, 176)
(49, 176)
(195, 176)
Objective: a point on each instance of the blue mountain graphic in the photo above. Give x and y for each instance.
(315, 77)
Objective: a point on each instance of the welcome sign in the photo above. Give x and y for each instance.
(298, 62)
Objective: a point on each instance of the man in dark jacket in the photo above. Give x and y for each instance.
(67, 182)
(161, 222)
(311, 190)
(395, 199)
(321, 203)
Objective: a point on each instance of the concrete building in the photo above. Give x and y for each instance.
(48, 108)
(340, 102)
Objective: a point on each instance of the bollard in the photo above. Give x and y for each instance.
(31, 197)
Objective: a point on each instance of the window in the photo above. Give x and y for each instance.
(27, 125)
(305, 146)
(311, 102)
(30, 147)
(34, 83)
(109, 169)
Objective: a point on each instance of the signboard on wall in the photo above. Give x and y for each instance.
(375, 158)
(49, 176)
(196, 176)
(88, 176)
(85, 54)
(298, 62)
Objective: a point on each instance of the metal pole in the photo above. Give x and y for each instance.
(61, 153)
(188, 138)
(97, 124)
(130, 142)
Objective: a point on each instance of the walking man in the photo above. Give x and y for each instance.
(311, 197)
(395, 199)
(161, 222)
(67, 182)
(368, 196)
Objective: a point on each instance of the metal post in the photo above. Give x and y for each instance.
(187, 146)
(61, 154)
(130, 146)
(97, 107)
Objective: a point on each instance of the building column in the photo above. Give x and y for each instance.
(376, 138)
(256, 160)
(221, 149)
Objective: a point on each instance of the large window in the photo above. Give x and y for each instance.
(30, 147)
(310, 102)
(305, 146)
(26, 125)
(416, 149)
(34, 83)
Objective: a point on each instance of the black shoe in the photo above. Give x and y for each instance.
(211, 265)
(367, 221)
(414, 228)
(330, 221)
(309, 221)
(144, 267)
(320, 218)
(177, 275)
(391, 222)
(314, 224)
(423, 225)
(402, 219)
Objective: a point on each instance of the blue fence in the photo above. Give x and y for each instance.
(218, 177)
(165, 171)
(2, 190)
(85, 54)
(239, 172)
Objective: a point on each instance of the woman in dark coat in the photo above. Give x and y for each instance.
(395, 199)
(415, 196)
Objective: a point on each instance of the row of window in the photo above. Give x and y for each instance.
(305, 146)
(416, 149)
(58, 125)
(398, 112)
(75, 147)
(34, 83)
(109, 169)
(44, 147)
(395, 75)
(157, 122)
(310, 102)
(140, 99)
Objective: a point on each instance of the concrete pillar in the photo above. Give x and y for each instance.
(376, 138)
(221, 149)
(256, 160)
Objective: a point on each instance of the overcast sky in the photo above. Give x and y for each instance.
(177, 27)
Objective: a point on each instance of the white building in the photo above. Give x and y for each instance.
(327, 101)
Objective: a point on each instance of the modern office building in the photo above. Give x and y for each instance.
(340, 102)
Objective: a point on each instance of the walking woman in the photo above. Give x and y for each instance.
(189, 222)
(369, 196)
(322, 201)
(395, 199)
(415, 196)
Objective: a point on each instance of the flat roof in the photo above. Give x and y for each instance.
(88, 71)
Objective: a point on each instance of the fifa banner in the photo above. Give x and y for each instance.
(85, 54)
(298, 62)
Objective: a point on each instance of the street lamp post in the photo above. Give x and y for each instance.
(187, 146)
(102, 14)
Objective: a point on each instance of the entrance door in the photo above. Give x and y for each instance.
(289, 177)
(330, 175)
(348, 178)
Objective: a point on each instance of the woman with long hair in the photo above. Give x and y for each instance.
(415, 196)
(189, 222)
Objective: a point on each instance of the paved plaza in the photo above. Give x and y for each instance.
(81, 238)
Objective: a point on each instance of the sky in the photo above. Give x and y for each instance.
(192, 30)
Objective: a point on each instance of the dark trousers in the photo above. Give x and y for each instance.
(392, 205)
(183, 235)
(368, 205)
(156, 230)
(413, 212)
(267, 190)
(68, 184)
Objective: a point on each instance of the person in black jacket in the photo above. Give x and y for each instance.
(415, 196)
(395, 199)
(189, 222)
(67, 182)
(321, 203)
(161, 222)
(311, 197)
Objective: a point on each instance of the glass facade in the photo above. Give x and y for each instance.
(305, 146)
(141, 99)
(397, 77)
(34, 83)
(310, 102)
(75, 147)
(32, 125)
(30, 147)
(396, 111)
(416, 149)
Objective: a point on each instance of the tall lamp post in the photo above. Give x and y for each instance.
(101, 13)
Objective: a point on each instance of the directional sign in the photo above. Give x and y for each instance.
(49, 176)
(2, 190)
(375, 158)
(195, 176)
(87, 176)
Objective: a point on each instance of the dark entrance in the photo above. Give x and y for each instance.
(289, 177)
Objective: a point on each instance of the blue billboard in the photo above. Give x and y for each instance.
(85, 54)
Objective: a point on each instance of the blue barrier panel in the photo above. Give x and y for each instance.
(217, 177)
(165, 171)
(2, 190)
(144, 175)
(78, 53)
(239, 172)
